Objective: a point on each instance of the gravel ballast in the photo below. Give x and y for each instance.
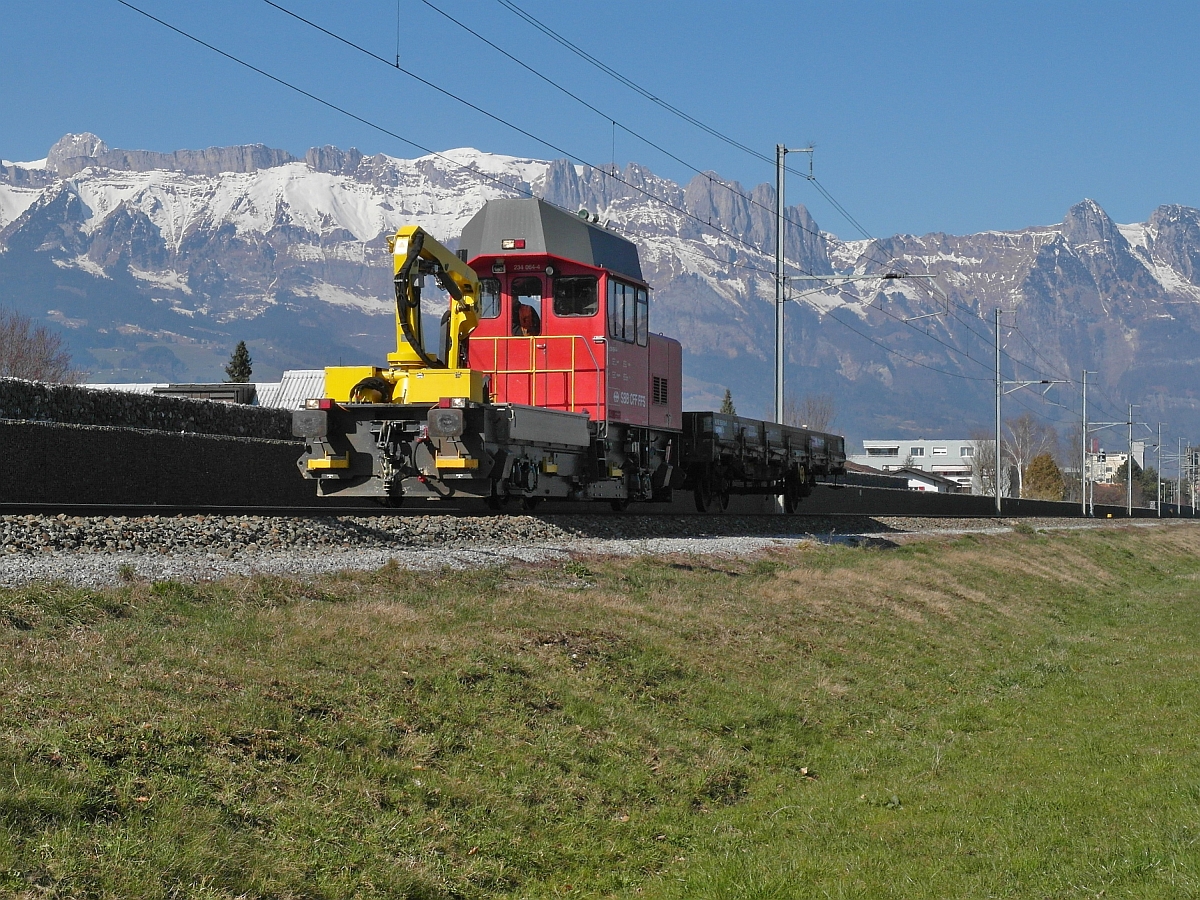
(94, 551)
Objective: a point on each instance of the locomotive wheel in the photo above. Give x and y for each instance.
(391, 502)
(620, 505)
(496, 502)
(529, 504)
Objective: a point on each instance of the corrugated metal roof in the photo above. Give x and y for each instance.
(296, 386)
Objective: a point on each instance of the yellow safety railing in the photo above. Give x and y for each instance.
(533, 344)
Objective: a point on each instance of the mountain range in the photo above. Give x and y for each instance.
(154, 265)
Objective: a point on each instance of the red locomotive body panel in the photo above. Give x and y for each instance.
(560, 334)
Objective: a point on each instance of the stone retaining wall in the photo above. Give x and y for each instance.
(74, 405)
(82, 464)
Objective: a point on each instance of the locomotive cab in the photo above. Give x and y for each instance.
(564, 319)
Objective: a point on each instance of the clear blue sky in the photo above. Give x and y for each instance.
(945, 116)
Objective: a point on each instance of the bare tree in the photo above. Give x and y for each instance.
(983, 467)
(1027, 438)
(813, 411)
(33, 352)
(1072, 454)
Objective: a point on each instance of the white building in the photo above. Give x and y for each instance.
(948, 458)
(919, 480)
(1102, 466)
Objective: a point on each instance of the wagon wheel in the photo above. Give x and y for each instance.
(791, 493)
(711, 491)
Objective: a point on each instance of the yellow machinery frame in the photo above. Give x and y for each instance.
(412, 375)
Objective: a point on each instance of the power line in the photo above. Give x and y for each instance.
(618, 124)
(628, 82)
(888, 349)
(615, 123)
(333, 106)
(614, 175)
(383, 130)
(637, 88)
(508, 186)
(501, 120)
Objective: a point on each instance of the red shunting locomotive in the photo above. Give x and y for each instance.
(549, 385)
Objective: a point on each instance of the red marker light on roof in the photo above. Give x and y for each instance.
(512, 244)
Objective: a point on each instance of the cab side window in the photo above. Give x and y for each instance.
(616, 310)
(575, 296)
(489, 298)
(628, 313)
(643, 316)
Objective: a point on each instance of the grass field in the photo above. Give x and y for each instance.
(1011, 716)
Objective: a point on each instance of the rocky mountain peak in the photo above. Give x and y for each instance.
(1176, 231)
(333, 160)
(1087, 223)
(85, 146)
(75, 152)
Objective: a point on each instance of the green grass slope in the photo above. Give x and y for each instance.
(1008, 716)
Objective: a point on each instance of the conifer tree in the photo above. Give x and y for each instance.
(239, 369)
(727, 404)
(1043, 479)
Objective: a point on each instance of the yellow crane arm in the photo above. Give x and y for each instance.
(414, 375)
(416, 254)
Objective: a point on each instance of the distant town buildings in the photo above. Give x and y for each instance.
(949, 459)
(1102, 466)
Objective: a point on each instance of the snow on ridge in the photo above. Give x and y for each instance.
(1137, 234)
(35, 164)
(339, 296)
(83, 263)
(14, 201)
(170, 279)
(294, 194)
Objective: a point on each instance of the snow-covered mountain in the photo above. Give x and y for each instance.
(155, 264)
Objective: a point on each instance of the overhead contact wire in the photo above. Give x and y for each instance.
(498, 181)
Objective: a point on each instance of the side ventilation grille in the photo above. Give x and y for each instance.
(659, 393)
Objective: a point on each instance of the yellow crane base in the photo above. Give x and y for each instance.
(408, 385)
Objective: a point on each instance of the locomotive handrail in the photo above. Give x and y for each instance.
(533, 370)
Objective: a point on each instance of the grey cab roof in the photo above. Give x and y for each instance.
(548, 229)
